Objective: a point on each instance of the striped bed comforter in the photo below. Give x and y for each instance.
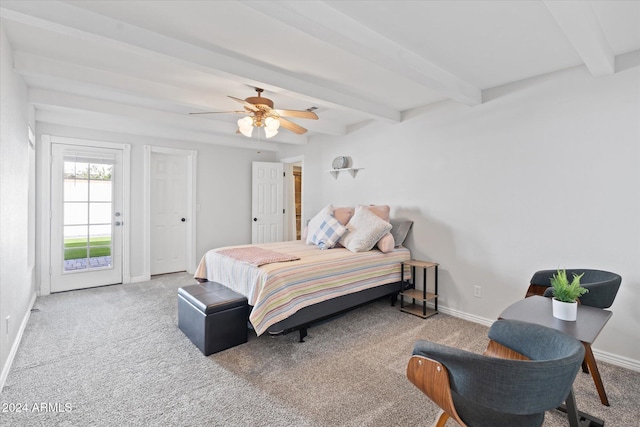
(278, 290)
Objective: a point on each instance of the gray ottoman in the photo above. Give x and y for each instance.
(213, 316)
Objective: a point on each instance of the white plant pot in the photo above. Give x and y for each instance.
(565, 310)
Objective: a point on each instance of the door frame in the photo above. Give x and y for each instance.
(45, 203)
(192, 208)
(288, 161)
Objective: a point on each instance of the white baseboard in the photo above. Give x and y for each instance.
(614, 359)
(466, 316)
(16, 343)
(136, 279)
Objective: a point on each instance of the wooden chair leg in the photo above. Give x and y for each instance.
(442, 419)
(585, 368)
(595, 374)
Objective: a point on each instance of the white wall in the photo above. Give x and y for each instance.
(544, 174)
(223, 189)
(17, 290)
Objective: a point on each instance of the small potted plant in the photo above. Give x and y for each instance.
(565, 295)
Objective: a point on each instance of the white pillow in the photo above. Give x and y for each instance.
(329, 232)
(365, 229)
(316, 221)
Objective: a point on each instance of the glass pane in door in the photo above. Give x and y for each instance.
(88, 213)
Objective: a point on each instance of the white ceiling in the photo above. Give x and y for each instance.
(140, 67)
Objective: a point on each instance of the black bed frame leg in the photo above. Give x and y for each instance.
(303, 333)
(394, 298)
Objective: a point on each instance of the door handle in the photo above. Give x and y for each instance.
(255, 219)
(183, 220)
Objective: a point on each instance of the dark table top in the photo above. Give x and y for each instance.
(537, 309)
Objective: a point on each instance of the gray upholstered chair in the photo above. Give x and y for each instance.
(603, 285)
(491, 390)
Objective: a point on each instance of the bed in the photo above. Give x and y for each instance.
(291, 295)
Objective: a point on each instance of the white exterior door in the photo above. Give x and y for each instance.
(168, 213)
(267, 202)
(86, 217)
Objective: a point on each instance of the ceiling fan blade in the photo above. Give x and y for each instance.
(301, 114)
(291, 126)
(245, 103)
(220, 112)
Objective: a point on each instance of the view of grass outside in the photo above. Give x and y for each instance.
(75, 248)
(87, 212)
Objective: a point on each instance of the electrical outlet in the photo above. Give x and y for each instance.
(477, 291)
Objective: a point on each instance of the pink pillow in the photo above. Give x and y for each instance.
(386, 243)
(381, 210)
(343, 214)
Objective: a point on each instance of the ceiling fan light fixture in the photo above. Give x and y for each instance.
(262, 114)
(247, 132)
(269, 133)
(245, 126)
(272, 123)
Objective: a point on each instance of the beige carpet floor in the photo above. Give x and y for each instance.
(114, 356)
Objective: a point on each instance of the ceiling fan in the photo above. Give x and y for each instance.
(262, 114)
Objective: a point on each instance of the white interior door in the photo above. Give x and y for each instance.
(86, 217)
(267, 202)
(168, 213)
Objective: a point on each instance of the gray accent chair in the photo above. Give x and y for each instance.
(526, 370)
(603, 285)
